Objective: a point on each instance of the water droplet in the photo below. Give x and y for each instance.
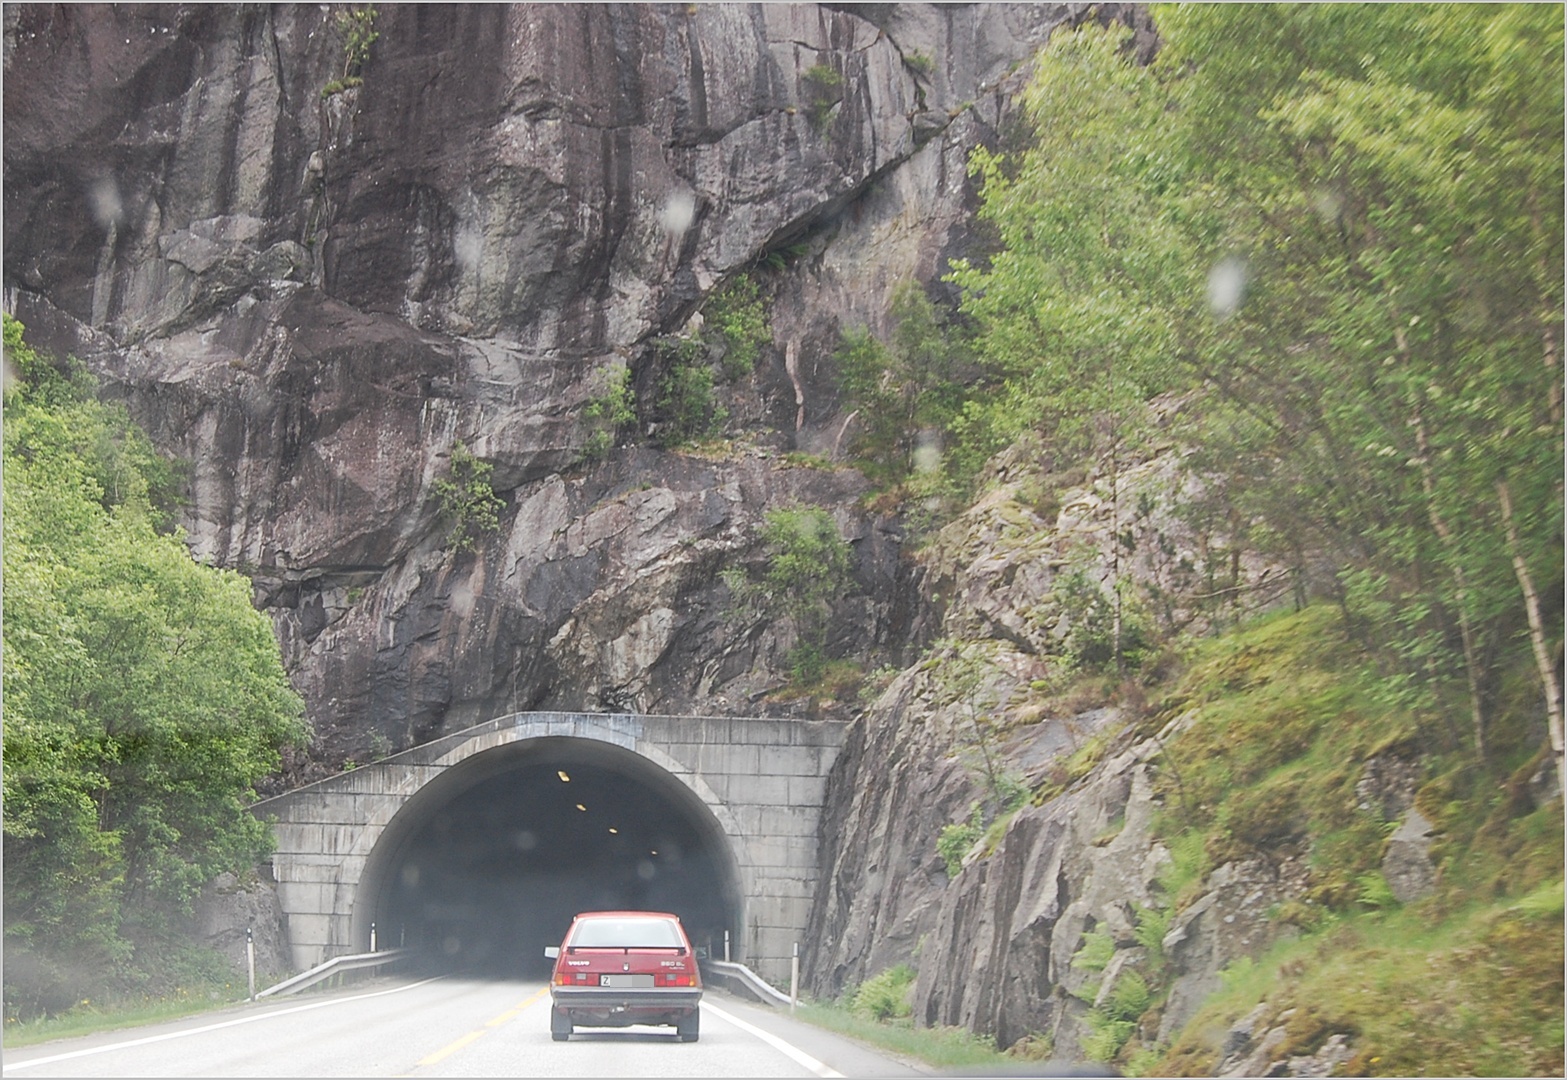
(1226, 287)
(678, 212)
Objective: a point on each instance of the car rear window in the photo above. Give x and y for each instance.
(626, 934)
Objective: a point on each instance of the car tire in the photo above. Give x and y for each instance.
(689, 1026)
(560, 1026)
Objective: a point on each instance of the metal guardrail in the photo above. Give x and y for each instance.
(332, 967)
(764, 991)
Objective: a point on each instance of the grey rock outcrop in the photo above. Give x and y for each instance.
(313, 293)
(1407, 865)
(1061, 901)
(1256, 1045)
(227, 908)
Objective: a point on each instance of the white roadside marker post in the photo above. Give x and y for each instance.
(794, 978)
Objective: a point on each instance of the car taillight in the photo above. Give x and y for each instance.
(678, 980)
(561, 978)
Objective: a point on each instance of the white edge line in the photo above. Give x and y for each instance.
(12, 1066)
(774, 1041)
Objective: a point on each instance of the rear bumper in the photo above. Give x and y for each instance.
(603, 1004)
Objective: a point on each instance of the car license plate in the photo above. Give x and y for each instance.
(627, 982)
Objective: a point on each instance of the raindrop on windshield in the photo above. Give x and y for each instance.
(1227, 287)
(678, 213)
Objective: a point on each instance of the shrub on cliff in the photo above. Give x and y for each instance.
(468, 501)
(808, 566)
(903, 395)
(607, 412)
(740, 317)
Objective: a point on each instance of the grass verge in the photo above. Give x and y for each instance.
(945, 1048)
(90, 1019)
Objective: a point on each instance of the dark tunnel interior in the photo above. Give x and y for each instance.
(483, 879)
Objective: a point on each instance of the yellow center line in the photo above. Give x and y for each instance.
(512, 1012)
(452, 1047)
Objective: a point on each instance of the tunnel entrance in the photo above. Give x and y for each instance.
(487, 864)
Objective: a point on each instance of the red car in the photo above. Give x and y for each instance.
(618, 968)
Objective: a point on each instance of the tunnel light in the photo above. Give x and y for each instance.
(563, 777)
(584, 809)
(652, 853)
(615, 831)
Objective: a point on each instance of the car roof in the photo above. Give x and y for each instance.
(627, 915)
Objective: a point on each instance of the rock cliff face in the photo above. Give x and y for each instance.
(314, 294)
(1084, 862)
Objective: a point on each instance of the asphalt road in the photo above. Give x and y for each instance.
(449, 1027)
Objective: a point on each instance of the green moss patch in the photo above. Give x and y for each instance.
(1281, 719)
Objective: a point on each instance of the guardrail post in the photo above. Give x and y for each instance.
(726, 946)
(794, 977)
(250, 962)
(372, 936)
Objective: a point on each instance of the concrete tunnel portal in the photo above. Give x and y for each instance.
(486, 865)
(475, 850)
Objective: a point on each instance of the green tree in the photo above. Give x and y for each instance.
(1077, 310)
(357, 28)
(144, 697)
(824, 86)
(904, 395)
(1333, 235)
(1400, 200)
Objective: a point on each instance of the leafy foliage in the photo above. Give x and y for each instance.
(1095, 952)
(904, 394)
(885, 996)
(693, 365)
(1108, 1032)
(957, 839)
(1152, 924)
(144, 697)
(808, 567)
(468, 500)
(609, 411)
(1104, 630)
(824, 84)
(357, 29)
(685, 399)
(1074, 311)
(736, 310)
(1334, 235)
